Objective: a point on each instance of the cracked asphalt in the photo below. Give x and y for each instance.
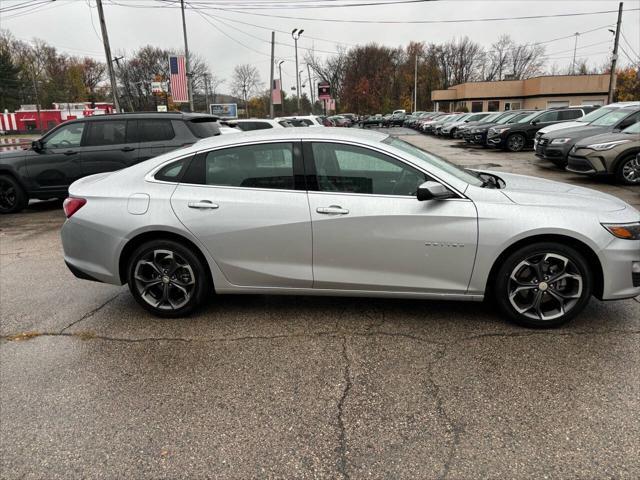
(303, 387)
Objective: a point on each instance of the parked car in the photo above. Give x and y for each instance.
(340, 121)
(430, 125)
(428, 117)
(215, 217)
(249, 124)
(517, 136)
(555, 146)
(438, 126)
(463, 129)
(301, 120)
(478, 135)
(396, 120)
(90, 145)
(582, 121)
(451, 128)
(609, 154)
(372, 120)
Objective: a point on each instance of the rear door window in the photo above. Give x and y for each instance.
(154, 130)
(106, 132)
(569, 114)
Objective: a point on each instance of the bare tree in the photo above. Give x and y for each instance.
(497, 58)
(526, 60)
(245, 82)
(331, 70)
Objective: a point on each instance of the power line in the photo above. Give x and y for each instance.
(628, 44)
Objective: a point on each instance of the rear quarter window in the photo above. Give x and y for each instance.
(204, 127)
(173, 171)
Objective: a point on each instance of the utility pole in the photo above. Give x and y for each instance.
(273, 62)
(415, 84)
(127, 92)
(614, 57)
(107, 52)
(310, 87)
(575, 47)
(186, 58)
(295, 33)
(206, 91)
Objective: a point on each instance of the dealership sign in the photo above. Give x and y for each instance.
(324, 91)
(224, 110)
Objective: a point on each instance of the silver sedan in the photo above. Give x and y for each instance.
(330, 212)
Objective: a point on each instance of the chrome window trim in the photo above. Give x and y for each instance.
(149, 177)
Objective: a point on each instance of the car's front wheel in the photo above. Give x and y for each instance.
(167, 278)
(543, 285)
(515, 142)
(628, 170)
(12, 196)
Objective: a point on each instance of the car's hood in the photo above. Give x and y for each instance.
(7, 156)
(561, 126)
(525, 190)
(608, 137)
(577, 133)
(487, 126)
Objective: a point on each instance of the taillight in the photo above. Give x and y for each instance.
(72, 204)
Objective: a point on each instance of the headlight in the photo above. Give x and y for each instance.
(607, 145)
(499, 130)
(557, 141)
(626, 231)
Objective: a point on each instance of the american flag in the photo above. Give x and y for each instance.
(178, 79)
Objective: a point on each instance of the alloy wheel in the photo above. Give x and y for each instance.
(164, 279)
(8, 195)
(631, 170)
(516, 143)
(545, 286)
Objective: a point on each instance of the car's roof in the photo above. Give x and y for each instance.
(147, 115)
(294, 133)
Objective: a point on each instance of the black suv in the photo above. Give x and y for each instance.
(478, 134)
(101, 143)
(516, 136)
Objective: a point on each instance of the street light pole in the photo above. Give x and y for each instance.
(415, 84)
(295, 34)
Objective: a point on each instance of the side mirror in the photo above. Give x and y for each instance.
(433, 191)
(37, 145)
(534, 122)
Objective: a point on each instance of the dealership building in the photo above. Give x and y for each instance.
(535, 93)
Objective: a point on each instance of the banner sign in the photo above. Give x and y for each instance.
(178, 78)
(224, 110)
(276, 91)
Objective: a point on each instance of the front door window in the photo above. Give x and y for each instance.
(66, 136)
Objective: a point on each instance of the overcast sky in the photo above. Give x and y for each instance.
(72, 26)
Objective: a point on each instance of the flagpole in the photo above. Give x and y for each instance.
(186, 58)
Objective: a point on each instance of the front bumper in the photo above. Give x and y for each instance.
(617, 261)
(554, 152)
(478, 138)
(497, 141)
(587, 162)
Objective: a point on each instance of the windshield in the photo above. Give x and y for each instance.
(635, 128)
(490, 118)
(506, 118)
(528, 118)
(596, 114)
(431, 159)
(612, 117)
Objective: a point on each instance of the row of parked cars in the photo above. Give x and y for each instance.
(584, 139)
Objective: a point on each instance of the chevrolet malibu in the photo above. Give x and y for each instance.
(354, 213)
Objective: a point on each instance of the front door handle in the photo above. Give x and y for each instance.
(127, 149)
(332, 210)
(70, 152)
(203, 204)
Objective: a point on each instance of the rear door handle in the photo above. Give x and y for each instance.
(127, 149)
(332, 210)
(203, 204)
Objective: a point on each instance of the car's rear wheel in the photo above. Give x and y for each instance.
(628, 170)
(515, 142)
(543, 285)
(167, 279)
(12, 196)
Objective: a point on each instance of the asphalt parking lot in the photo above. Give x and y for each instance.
(301, 387)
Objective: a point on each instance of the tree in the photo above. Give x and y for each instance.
(245, 82)
(331, 70)
(526, 61)
(11, 83)
(627, 84)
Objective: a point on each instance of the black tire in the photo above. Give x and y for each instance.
(171, 294)
(515, 142)
(628, 170)
(13, 198)
(516, 285)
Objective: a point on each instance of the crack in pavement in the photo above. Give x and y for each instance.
(342, 447)
(91, 313)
